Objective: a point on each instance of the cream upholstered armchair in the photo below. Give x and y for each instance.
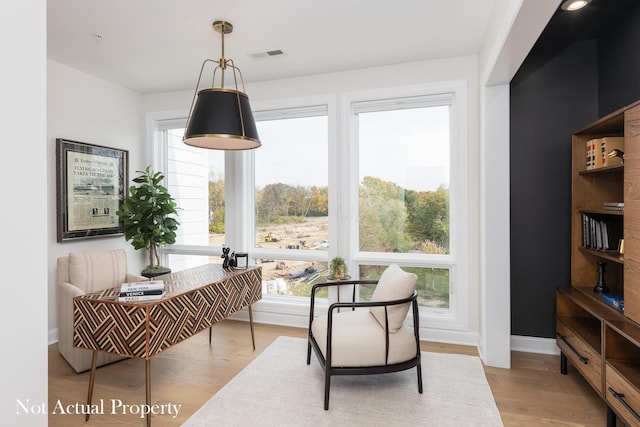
(78, 274)
(368, 337)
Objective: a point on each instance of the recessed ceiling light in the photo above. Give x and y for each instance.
(572, 5)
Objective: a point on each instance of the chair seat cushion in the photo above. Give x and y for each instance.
(358, 340)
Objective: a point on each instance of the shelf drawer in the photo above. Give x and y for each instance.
(581, 355)
(622, 397)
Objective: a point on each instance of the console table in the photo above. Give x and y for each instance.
(195, 299)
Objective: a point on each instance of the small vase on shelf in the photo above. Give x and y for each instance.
(601, 287)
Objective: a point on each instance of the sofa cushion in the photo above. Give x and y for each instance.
(394, 284)
(94, 271)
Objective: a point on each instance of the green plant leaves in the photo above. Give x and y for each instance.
(149, 213)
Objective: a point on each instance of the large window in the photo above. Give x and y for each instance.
(403, 197)
(408, 152)
(291, 237)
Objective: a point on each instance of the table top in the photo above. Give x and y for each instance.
(178, 282)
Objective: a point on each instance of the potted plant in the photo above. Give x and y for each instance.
(148, 214)
(337, 268)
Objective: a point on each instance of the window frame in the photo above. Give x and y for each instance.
(453, 93)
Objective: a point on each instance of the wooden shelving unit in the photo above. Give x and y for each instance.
(600, 341)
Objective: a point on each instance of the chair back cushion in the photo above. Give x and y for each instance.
(394, 284)
(94, 271)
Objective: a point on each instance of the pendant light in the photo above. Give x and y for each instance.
(220, 118)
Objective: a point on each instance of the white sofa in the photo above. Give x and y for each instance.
(77, 274)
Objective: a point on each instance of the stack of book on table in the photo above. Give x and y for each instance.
(148, 290)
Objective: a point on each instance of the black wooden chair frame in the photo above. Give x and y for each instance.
(361, 370)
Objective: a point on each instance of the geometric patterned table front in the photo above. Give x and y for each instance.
(195, 299)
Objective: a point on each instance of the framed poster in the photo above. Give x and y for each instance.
(91, 184)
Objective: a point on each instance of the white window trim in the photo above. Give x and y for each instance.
(455, 92)
(156, 149)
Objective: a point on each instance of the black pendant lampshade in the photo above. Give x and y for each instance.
(221, 118)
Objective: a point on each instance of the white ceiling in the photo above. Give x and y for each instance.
(159, 45)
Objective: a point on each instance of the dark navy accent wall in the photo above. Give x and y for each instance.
(546, 108)
(619, 65)
(550, 100)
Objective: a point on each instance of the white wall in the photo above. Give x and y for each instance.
(87, 109)
(23, 371)
(449, 69)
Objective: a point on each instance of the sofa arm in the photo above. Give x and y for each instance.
(70, 291)
(66, 293)
(79, 359)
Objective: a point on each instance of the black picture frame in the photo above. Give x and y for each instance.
(91, 184)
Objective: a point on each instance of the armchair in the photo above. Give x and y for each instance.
(370, 337)
(77, 274)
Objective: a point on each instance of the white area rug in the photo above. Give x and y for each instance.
(279, 389)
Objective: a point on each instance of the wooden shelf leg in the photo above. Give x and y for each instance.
(563, 363)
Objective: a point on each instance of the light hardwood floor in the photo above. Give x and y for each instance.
(531, 393)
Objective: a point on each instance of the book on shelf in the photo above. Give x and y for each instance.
(616, 301)
(591, 153)
(613, 206)
(141, 297)
(598, 234)
(587, 231)
(144, 285)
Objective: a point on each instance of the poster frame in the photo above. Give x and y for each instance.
(91, 185)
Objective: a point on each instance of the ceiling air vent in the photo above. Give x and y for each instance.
(266, 53)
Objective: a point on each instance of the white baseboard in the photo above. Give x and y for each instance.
(52, 336)
(534, 345)
(449, 337)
